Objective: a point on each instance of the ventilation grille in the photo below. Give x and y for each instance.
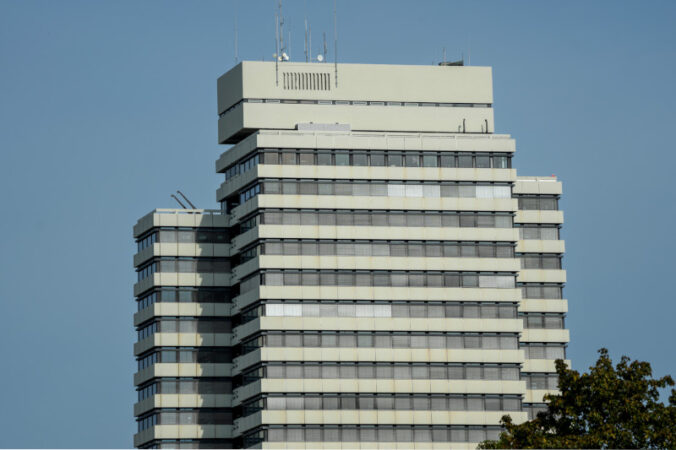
(307, 81)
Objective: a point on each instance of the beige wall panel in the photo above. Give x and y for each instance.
(181, 279)
(539, 217)
(183, 249)
(379, 385)
(243, 362)
(398, 417)
(183, 432)
(144, 285)
(389, 354)
(544, 335)
(541, 276)
(182, 370)
(389, 263)
(384, 324)
(144, 224)
(393, 203)
(369, 445)
(236, 214)
(182, 309)
(183, 340)
(367, 232)
(538, 246)
(183, 401)
(532, 305)
(252, 116)
(237, 151)
(374, 293)
(381, 140)
(234, 184)
(237, 242)
(538, 185)
(245, 299)
(373, 82)
(537, 395)
(229, 187)
(390, 293)
(144, 255)
(541, 365)
(385, 173)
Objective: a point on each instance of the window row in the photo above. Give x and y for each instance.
(249, 223)
(217, 355)
(201, 416)
(185, 386)
(358, 103)
(371, 370)
(544, 351)
(541, 381)
(447, 249)
(184, 295)
(533, 409)
(249, 162)
(541, 202)
(389, 218)
(413, 189)
(542, 320)
(408, 310)
(185, 325)
(385, 339)
(386, 278)
(375, 433)
(388, 402)
(188, 443)
(544, 232)
(389, 158)
(199, 236)
(540, 261)
(249, 193)
(184, 265)
(532, 290)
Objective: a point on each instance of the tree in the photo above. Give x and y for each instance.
(609, 407)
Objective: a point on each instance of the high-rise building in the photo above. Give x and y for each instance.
(377, 275)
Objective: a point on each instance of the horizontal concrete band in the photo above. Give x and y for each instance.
(183, 401)
(378, 386)
(376, 140)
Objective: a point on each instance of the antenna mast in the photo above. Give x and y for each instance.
(276, 54)
(306, 39)
(282, 48)
(335, 41)
(325, 48)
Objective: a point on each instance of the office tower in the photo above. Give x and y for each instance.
(377, 274)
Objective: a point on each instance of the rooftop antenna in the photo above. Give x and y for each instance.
(309, 36)
(325, 47)
(335, 41)
(178, 201)
(306, 60)
(276, 54)
(306, 37)
(282, 48)
(186, 199)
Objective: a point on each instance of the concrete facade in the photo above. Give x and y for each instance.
(377, 276)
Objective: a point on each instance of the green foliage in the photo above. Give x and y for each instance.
(609, 407)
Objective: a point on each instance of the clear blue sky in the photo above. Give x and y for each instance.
(106, 108)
